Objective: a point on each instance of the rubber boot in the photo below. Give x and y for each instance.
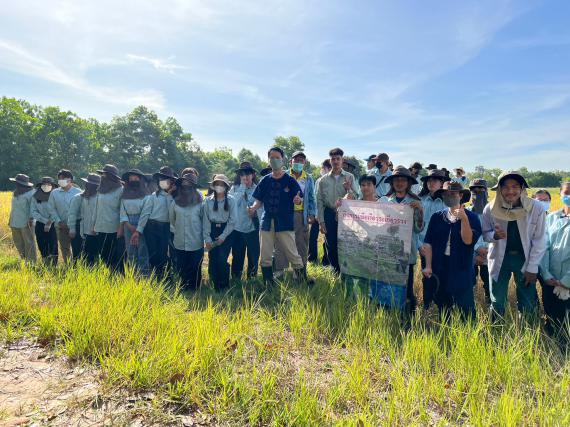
(267, 273)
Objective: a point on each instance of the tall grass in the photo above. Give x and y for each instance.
(288, 355)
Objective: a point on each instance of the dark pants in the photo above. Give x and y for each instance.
(314, 242)
(107, 249)
(483, 272)
(157, 236)
(77, 242)
(410, 288)
(461, 298)
(242, 242)
(47, 243)
(218, 267)
(189, 267)
(331, 238)
(554, 307)
(91, 249)
(429, 287)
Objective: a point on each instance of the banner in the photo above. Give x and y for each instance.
(374, 240)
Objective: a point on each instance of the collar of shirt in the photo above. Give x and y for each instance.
(450, 217)
(301, 178)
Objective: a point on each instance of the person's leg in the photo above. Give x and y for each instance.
(287, 241)
(194, 262)
(464, 300)
(163, 248)
(77, 242)
(279, 259)
(267, 245)
(64, 243)
(183, 267)
(142, 256)
(331, 238)
(238, 254)
(52, 246)
(29, 243)
(499, 288)
(429, 285)
(252, 244)
(225, 250)
(19, 242)
(42, 240)
(302, 237)
(313, 255)
(410, 288)
(484, 275)
(527, 297)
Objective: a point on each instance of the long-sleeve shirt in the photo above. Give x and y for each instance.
(156, 208)
(532, 231)
(430, 206)
(382, 187)
(188, 227)
(243, 199)
(131, 210)
(107, 211)
(40, 211)
(221, 216)
(331, 188)
(84, 210)
(418, 224)
(555, 263)
(309, 204)
(21, 210)
(59, 202)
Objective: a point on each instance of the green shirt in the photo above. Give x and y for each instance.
(330, 188)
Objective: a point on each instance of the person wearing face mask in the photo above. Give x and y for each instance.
(555, 266)
(106, 223)
(314, 232)
(246, 232)
(133, 199)
(401, 182)
(186, 215)
(415, 169)
(81, 217)
(59, 202)
(514, 226)
(382, 172)
(278, 192)
(218, 222)
(304, 213)
(460, 176)
(370, 164)
(448, 247)
(544, 198)
(431, 203)
(21, 222)
(154, 220)
(479, 198)
(46, 236)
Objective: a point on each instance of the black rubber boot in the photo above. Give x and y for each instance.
(267, 273)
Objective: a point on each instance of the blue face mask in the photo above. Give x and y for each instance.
(545, 204)
(566, 199)
(298, 167)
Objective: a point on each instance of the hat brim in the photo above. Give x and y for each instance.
(126, 175)
(410, 178)
(441, 178)
(251, 170)
(471, 187)
(157, 175)
(179, 181)
(25, 184)
(211, 183)
(53, 184)
(465, 194)
(101, 172)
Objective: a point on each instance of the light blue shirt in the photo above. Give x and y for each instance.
(243, 199)
(555, 263)
(220, 216)
(59, 202)
(107, 211)
(188, 228)
(156, 208)
(382, 187)
(40, 211)
(21, 210)
(82, 209)
(131, 210)
(430, 207)
(417, 228)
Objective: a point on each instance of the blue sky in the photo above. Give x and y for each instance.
(450, 82)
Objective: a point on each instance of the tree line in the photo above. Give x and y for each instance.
(41, 140)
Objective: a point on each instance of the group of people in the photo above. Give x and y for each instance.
(273, 217)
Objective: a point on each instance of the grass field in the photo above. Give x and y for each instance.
(288, 355)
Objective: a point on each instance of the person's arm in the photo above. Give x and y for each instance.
(145, 212)
(355, 189)
(544, 266)
(231, 220)
(488, 225)
(466, 231)
(206, 225)
(310, 198)
(537, 242)
(172, 214)
(427, 250)
(35, 212)
(320, 201)
(52, 209)
(74, 214)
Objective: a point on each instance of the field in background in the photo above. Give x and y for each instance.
(288, 355)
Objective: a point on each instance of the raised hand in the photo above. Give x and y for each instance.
(500, 234)
(298, 199)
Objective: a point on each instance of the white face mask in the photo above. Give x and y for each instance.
(164, 184)
(219, 189)
(46, 188)
(63, 182)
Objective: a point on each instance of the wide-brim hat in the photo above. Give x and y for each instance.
(435, 173)
(454, 186)
(370, 158)
(47, 180)
(382, 156)
(134, 171)
(431, 166)
(22, 180)
(298, 153)
(92, 178)
(111, 170)
(245, 167)
(222, 178)
(416, 165)
(190, 177)
(165, 172)
(459, 169)
(350, 162)
(401, 171)
(516, 175)
(478, 182)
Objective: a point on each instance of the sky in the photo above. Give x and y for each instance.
(457, 83)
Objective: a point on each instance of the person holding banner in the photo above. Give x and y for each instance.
(449, 246)
(401, 182)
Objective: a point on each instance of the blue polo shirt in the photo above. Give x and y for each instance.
(277, 197)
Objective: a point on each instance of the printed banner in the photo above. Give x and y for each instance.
(374, 240)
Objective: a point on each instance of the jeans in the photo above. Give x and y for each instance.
(241, 243)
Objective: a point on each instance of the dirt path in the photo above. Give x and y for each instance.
(37, 388)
